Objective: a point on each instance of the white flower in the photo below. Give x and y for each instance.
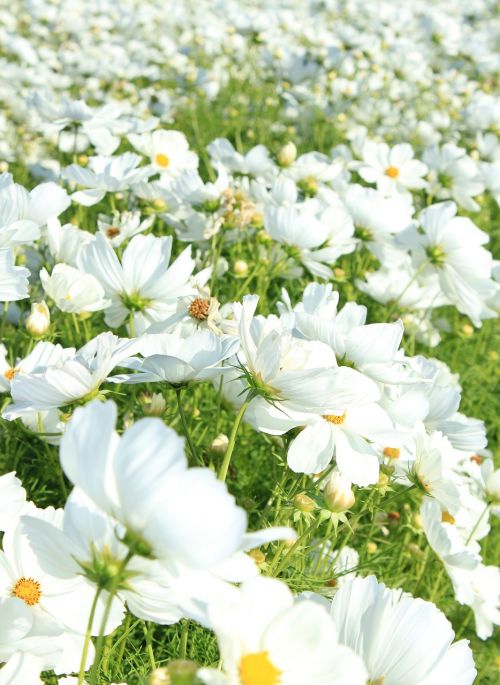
(105, 175)
(266, 639)
(77, 376)
(13, 279)
(143, 286)
(122, 226)
(12, 500)
(178, 514)
(431, 469)
(168, 150)
(453, 175)
(402, 640)
(176, 360)
(392, 169)
(453, 248)
(72, 290)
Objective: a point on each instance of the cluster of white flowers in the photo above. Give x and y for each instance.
(116, 243)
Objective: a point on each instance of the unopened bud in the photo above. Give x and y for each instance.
(159, 204)
(371, 547)
(38, 321)
(183, 672)
(154, 404)
(467, 330)
(159, 676)
(287, 155)
(338, 494)
(220, 444)
(304, 503)
(240, 267)
(493, 486)
(258, 556)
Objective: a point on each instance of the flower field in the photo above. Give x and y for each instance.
(249, 356)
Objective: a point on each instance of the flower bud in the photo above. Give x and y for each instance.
(183, 672)
(338, 494)
(287, 155)
(38, 321)
(240, 268)
(371, 547)
(154, 404)
(493, 486)
(219, 444)
(160, 676)
(304, 503)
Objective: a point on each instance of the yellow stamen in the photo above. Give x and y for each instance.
(28, 590)
(392, 172)
(258, 669)
(162, 160)
(392, 452)
(332, 418)
(199, 309)
(10, 373)
(446, 517)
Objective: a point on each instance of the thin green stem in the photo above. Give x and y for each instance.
(185, 425)
(86, 643)
(184, 639)
(232, 440)
(298, 543)
(107, 610)
(149, 645)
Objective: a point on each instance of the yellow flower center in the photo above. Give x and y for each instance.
(392, 172)
(10, 373)
(199, 309)
(28, 590)
(162, 160)
(258, 669)
(446, 517)
(392, 452)
(332, 418)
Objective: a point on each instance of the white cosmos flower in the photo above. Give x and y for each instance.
(170, 358)
(402, 640)
(23, 213)
(372, 348)
(13, 279)
(453, 175)
(432, 469)
(453, 248)
(143, 285)
(141, 479)
(105, 175)
(77, 376)
(267, 639)
(446, 540)
(168, 150)
(72, 290)
(392, 169)
(479, 588)
(12, 500)
(54, 602)
(122, 226)
(65, 242)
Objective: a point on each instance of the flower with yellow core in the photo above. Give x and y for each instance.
(27, 589)
(258, 669)
(266, 637)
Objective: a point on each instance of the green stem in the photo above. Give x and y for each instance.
(476, 525)
(149, 647)
(107, 610)
(232, 440)
(185, 425)
(305, 535)
(184, 640)
(86, 644)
